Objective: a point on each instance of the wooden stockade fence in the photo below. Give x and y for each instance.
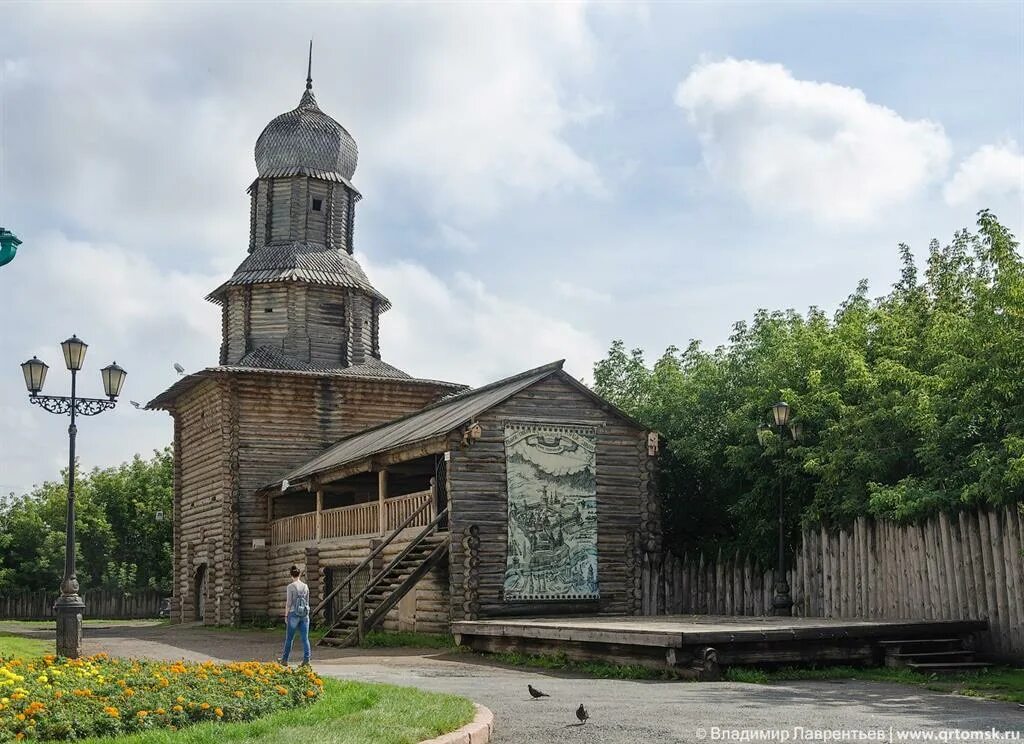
(967, 566)
(105, 604)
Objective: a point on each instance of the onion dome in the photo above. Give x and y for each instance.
(307, 141)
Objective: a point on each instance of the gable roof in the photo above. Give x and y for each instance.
(435, 420)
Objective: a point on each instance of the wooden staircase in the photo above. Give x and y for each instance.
(368, 607)
(932, 655)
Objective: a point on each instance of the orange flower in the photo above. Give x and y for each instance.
(310, 693)
(204, 706)
(159, 711)
(111, 711)
(142, 713)
(180, 699)
(282, 690)
(219, 712)
(177, 709)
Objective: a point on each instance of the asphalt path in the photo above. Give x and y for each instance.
(622, 712)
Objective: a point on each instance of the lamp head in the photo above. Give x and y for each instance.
(74, 352)
(780, 413)
(113, 379)
(35, 375)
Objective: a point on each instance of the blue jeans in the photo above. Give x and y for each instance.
(292, 623)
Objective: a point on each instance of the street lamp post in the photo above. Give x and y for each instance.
(70, 607)
(782, 599)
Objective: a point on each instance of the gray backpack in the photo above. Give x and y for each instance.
(301, 608)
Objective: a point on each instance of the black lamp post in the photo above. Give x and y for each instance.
(780, 423)
(69, 607)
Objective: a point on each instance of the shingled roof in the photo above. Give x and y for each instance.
(267, 361)
(436, 419)
(306, 137)
(300, 261)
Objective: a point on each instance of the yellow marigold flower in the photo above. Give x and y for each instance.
(142, 713)
(159, 711)
(180, 699)
(204, 706)
(177, 709)
(129, 692)
(19, 736)
(282, 690)
(219, 712)
(239, 693)
(42, 678)
(310, 693)
(112, 711)
(20, 716)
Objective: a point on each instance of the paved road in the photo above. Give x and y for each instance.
(622, 712)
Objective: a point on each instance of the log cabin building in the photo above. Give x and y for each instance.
(411, 503)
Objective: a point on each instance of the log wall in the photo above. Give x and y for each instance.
(955, 568)
(424, 609)
(202, 490)
(477, 489)
(283, 421)
(105, 604)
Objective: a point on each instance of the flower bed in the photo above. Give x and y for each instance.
(56, 698)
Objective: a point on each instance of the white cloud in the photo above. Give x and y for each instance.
(573, 291)
(468, 333)
(486, 115)
(126, 309)
(799, 146)
(990, 171)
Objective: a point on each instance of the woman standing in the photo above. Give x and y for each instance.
(296, 614)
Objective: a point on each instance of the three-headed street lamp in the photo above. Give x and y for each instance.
(780, 422)
(70, 607)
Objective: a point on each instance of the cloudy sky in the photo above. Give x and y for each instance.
(538, 179)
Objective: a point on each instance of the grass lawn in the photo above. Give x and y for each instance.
(599, 669)
(88, 623)
(996, 683)
(348, 713)
(12, 645)
(405, 639)
(373, 639)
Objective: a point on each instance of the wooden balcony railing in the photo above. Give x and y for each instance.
(348, 521)
(293, 529)
(357, 520)
(397, 509)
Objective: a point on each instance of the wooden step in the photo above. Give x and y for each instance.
(932, 655)
(917, 641)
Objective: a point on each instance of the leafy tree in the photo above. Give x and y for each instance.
(911, 403)
(120, 543)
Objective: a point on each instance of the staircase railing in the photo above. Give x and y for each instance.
(369, 559)
(359, 598)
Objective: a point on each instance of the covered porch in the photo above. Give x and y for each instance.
(375, 501)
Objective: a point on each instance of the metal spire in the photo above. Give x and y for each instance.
(309, 70)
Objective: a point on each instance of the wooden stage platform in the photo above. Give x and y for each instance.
(702, 644)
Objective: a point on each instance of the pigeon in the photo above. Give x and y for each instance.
(136, 403)
(582, 714)
(179, 369)
(535, 693)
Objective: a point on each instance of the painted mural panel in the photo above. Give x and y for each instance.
(552, 512)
